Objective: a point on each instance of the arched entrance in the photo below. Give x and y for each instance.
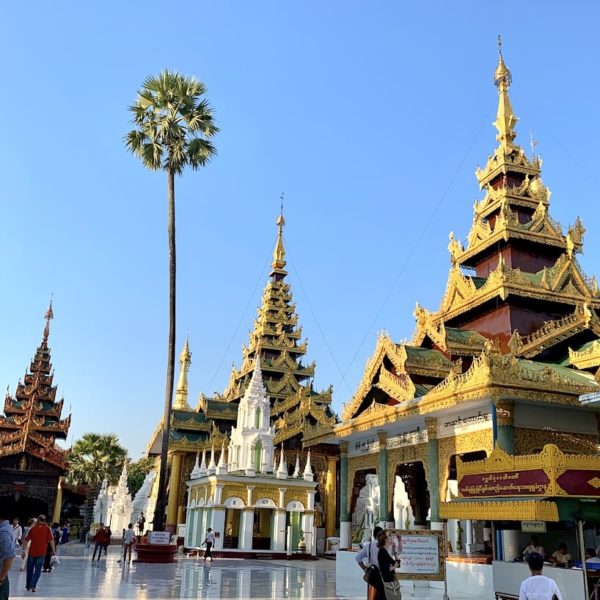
(415, 482)
(262, 534)
(234, 509)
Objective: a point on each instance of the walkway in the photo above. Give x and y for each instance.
(77, 577)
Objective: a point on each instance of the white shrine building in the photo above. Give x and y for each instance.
(249, 499)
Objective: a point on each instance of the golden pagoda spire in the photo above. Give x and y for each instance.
(181, 395)
(48, 316)
(505, 119)
(279, 252)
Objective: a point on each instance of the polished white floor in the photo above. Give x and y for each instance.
(77, 577)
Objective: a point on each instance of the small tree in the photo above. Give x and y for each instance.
(173, 128)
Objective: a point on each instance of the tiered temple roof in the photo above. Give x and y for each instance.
(518, 311)
(277, 340)
(31, 423)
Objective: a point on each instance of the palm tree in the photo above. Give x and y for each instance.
(173, 130)
(92, 459)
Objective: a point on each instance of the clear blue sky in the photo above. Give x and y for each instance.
(372, 116)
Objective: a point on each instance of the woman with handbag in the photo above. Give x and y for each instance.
(368, 562)
(387, 566)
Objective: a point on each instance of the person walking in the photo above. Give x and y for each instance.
(48, 558)
(210, 542)
(140, 523)
(538, 586)
(25, 550)
(387, 565)
(64, 533)
(40, 536)
(7, 553)
(17, 531)
(101, 541)
(368, 561)
(128, 541)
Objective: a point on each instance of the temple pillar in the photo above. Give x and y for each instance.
(279, 530)
(58, 502)
(382, 471)
(345, 522)
(247, 529)
(330, 497)
(180, 514)
(173, 501)
(433, 477)
(505, 428)
(469, 546)
(218, 525)
(308, 522)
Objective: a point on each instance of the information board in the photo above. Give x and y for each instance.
(159, 537)
(421, 555)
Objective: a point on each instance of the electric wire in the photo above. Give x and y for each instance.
(416, 244)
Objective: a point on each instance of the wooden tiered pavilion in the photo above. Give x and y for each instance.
(31, 463)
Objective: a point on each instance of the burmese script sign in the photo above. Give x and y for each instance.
(508, 483)
(421, 555)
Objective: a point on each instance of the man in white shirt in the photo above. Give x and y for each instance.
(210, 542)
(538, 586)
(17, 532)
(128, 541)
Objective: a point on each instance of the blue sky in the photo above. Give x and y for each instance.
(372, 117)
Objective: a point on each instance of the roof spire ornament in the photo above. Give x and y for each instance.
(48, 316)
(278, 263)
(505, 118)
(181, 395)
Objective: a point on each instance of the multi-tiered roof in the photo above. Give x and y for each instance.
(518, 311)
(277, 340)
(32, 417)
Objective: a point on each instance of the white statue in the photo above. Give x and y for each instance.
(403, 513)
(101, 504)
(142, 498)
(120, 508)
(366, 512)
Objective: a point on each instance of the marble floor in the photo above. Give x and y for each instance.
(78, 577)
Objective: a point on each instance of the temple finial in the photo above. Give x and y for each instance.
(279, 252)
(48, 316)
(505, 118)
(181, 395)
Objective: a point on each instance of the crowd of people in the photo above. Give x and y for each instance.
(36, 544)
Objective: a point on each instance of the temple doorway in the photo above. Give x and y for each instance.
(415, 482)
(233, 519)
(25, 508)
(294, 521)
(262, 534)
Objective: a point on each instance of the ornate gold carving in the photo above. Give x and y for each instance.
(504, 412)
(360, 463)
(461, 444)
(399, 456)
(533, 440)
(587, 358)
(521, 510)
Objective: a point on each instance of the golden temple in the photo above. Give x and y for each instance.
(501, 364)
(296, 407)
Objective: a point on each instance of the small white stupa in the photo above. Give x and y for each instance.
(251, 447)
(121, 507)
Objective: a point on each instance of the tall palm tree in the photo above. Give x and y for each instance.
(173, 130)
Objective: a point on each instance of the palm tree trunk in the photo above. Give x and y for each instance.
(159, 515)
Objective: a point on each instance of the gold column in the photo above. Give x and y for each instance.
(173, 501)
(58, 502)
(181, 514)
(330, 497)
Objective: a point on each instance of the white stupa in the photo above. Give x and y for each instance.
(251, 447)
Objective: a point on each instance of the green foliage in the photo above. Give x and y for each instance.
(136, 473)
(173, 123)
(95, 457)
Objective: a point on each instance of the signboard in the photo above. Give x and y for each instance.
(159, 537)
(534, 482)
(421, 555)
(533, 526)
